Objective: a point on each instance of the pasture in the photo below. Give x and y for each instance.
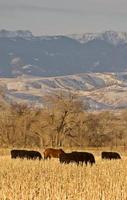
(50, 180)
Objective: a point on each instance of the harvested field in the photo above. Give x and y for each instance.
(50, 180)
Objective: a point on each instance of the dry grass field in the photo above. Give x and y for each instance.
(50, 180)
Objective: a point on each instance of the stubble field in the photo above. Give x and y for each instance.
(50, 180)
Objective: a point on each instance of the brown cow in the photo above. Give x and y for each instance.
(52, 153)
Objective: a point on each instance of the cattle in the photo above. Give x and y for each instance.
(25, 154)
(52, 153)
(77, 157)
(110, 155)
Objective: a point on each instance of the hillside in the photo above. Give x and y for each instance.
(100, 90)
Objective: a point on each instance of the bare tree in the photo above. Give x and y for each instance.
(64, 109)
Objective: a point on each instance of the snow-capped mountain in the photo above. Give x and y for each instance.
(112, 37)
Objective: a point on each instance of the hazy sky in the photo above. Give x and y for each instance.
(63, 16)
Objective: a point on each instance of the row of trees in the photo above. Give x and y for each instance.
(63, 121)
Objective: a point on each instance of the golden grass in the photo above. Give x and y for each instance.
(50, 180)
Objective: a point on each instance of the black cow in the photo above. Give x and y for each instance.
(110, 155)
(77, 157)
(25, 154)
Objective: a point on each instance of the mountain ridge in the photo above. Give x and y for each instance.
(112, 37)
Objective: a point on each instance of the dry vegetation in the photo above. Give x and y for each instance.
(63, 121)
(50, 180)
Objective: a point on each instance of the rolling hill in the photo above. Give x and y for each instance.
(99, 90)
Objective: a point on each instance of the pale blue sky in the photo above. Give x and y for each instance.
(63, 17)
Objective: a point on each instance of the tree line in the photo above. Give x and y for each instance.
(64, 120)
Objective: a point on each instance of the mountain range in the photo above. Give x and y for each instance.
(22, 53)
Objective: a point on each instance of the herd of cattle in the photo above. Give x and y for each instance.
(73, 157)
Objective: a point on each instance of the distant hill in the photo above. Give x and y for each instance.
(23, 53)
(99, 90)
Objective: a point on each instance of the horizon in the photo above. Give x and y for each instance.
(58, 34)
